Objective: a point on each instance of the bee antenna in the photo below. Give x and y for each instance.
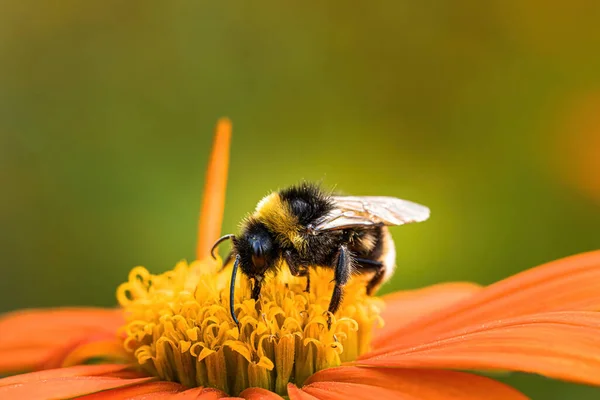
(232, 289)
(218, 242)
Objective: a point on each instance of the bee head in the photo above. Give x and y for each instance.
(256, 249)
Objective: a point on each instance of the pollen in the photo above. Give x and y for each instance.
(178, 326)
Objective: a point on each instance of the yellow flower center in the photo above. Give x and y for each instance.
(179, 327)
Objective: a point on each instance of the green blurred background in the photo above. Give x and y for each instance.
(487, 113)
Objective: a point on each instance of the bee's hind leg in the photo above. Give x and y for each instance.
(372, 265)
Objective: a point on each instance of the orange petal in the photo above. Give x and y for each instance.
(200, 393)
(404, 307)
(93, 349)
(79, 370)
(157, 389)
(64, 382)
(28, 338)
(104, 346)
(24, 327)
(376, 383)
(65, 388)
(259, 394)
(568, 284)
(297, 394)
(342, 391)
(15, 360)
(213, 203)
(561, 345)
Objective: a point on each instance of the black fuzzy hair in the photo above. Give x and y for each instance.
(307, 201)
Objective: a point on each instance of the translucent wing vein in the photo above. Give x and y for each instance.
(371, 210)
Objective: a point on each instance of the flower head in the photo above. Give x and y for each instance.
(173, 335)
(179, 327)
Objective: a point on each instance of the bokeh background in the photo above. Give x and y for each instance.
(487, 112)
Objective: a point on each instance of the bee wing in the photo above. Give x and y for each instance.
(352, 211)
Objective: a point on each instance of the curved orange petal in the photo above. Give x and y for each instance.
(562, 345)
(298, 394)
(416, 384)
(28, 338)
(96, 348)
(259, 394)
(402, 308)
(200, 393)
(64, 382)
(79, 370)
(157, 389)
(103, 345)
(65, 388)
(568, 284)
(213, 202)
(16, 360)
(358, 391)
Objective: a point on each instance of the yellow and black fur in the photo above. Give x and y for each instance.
(281, 229)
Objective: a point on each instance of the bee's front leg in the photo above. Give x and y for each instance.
(256, 288)
(341, 275)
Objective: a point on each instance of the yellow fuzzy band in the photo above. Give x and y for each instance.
(278, 217)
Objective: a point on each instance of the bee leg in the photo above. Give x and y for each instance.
(342, 270)
(256, 289)
(375, 281)
(379, 269)
(294, 270)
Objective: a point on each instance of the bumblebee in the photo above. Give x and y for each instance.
(305, 227)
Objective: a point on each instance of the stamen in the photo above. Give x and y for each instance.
(179, 326)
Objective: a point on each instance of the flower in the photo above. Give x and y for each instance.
(173, 336)
(179, 327)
